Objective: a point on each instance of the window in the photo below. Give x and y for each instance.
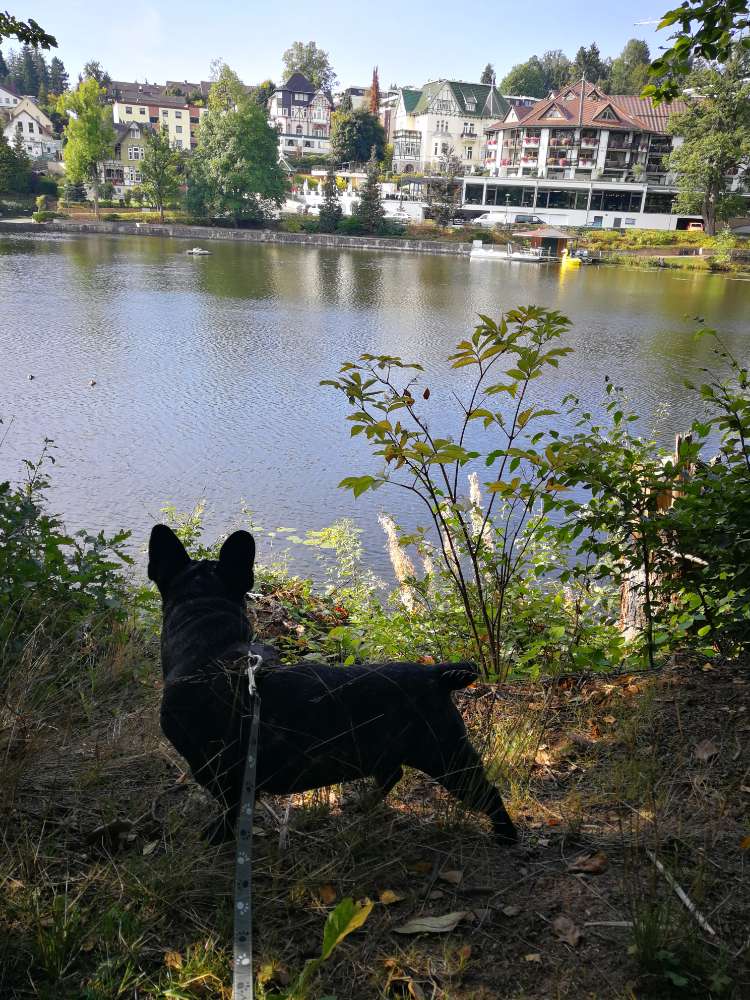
(118, 151)
(135, 152)
(128, 111)
(298, 130)
(164, 112)
(178, 128)
(285, 112)
(142, 111)
(178, 114)
(607, 114)
(178, 143)
(471, 104)
(469, 151)
(300, 97)
(31, 126)
(435, 149)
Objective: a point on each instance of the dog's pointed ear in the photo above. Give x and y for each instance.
(166, 556)
(236, 558)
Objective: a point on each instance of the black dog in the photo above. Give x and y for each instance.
(319, 725)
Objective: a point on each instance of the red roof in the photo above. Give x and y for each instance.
(598, 110)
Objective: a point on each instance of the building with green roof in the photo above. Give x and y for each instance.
(443, 120)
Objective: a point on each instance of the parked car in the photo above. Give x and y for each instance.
(491, 219)
(695, 227)
(529, 218)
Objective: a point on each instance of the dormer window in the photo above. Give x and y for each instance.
(471, 104)
(554, 113)
(608, 115)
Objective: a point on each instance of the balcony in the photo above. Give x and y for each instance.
(531, 140)
(586, 164)
(560, 143)
(619, 144)
(469, 134)
(491, 143)
(588, 141)
(530, 161)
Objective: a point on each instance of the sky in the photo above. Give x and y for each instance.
(411, 43)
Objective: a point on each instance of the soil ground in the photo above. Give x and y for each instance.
(107, 890)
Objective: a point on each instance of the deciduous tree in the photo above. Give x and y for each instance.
(235, 169)
(28, 32)
(589, 63)
(630, 69)
(556, 68)
(89, 136)
(705, 29)
(93, 71)
(354, 134)
(525, 78)
(716, 146)
(488, 74)
(160, 170)
(312, 62)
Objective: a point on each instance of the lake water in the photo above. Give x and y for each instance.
(207, 369)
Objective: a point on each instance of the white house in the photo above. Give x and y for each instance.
(8, 100)
(444, 118)
(36, 131)
(301, 115)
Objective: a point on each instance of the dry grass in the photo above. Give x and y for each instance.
(107, 891)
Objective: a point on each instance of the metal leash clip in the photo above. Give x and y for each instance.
(242, 985)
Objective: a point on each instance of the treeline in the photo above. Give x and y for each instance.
(626, 74)
(27, 71)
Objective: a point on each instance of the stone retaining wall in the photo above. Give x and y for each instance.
(203, 233)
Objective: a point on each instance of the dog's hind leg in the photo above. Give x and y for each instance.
(387, 779)
(463, 775)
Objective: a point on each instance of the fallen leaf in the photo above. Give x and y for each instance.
(511, 911)
(705, 750)
(553, 821)
(427, 660)
(432, 925)
(565, 930)
(327, 894)
(435, 894)
(421, 867)
(452, 877)
(589, 864)
(388, 896)
(534, 957)
(609, 719)
(543, 757)
(745, 844)
(745, 788)
(150, 847)
(173, 960)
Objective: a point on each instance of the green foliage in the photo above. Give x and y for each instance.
(160, 171)
(483, 554)
(588, 62)
(353, 136)
(705, 30)
(312, 62)
(330, 213)
(345, 919)
(716, 133)
(93, 70)
(369, 210)
(725, 243)
(14, 169)
(234, 172)
(43, 216)
(526, 78)
(488, 74)
(89, 135)
(630, 69)
(53, 583)
(28, 32)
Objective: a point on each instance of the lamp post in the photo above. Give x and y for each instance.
(507, 203)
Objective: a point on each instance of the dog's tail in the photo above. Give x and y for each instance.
(454, 676)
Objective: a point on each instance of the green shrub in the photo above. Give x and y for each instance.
(291, 224)
(53, 583)
(111, 217)
(350, 226)
(310, 224)
(45, 216)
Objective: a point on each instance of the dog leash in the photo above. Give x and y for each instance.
(242, 984)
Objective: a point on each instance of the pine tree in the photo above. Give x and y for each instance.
(345, 104)
(58, 77)
(488, 74)
(41, 69)
(23, 165)
(29, 72)
(8, 167)
(369, 211)
(3, 67)
(330, 211)
(375, 93)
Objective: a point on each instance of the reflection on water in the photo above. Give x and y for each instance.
(207, 369)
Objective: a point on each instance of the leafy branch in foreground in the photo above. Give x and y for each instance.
(499, 423)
